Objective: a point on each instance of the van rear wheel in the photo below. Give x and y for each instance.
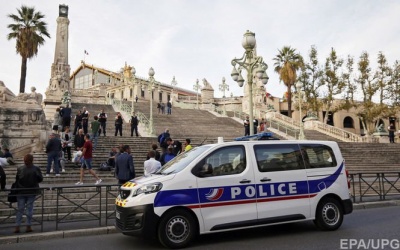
(329, 215)
(177, 229)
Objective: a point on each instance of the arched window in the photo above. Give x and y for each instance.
(348, 122)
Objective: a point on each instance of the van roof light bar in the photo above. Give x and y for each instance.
(257, 137)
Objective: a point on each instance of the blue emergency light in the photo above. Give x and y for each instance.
(257, 137)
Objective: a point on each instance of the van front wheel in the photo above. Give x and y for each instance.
(177, 229)
(329, 215)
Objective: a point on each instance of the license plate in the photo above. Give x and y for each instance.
(118, 215)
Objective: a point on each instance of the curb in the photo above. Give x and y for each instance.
(57, 235)
(111, 229)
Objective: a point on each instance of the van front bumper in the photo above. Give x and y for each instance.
(136, 221)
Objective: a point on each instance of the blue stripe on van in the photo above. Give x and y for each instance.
(245, 193)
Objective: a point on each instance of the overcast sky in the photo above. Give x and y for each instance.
(196, 39)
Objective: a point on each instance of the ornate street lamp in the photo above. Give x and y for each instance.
(150, 88)
(133, 80)
(196, 88)
(224, 87)
(255, 67)
(300, 97)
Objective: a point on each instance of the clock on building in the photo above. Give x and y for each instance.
(63, 10)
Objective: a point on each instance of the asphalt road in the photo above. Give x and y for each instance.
(379, 227)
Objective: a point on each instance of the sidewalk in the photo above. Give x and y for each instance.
(96, 230)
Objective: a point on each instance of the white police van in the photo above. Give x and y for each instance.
(236, 185)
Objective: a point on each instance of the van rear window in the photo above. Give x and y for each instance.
(318, 156)
(278, 157)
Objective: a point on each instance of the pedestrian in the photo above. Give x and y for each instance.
(168, 155)
(95, 126)
(77, 121)
(162, 108)
(66, 117)
(255, 126)
(87, 155)
(176, 145)
(134, 121)
(124, 168)
(53, 148)
(187, 145)
(262, 125)
(85, 120)
(391, 129)
(151, 165)
(79, 140)
(162, 140)
(169, 108)
(3, 178)
(57, 122)
(118, 124)
(103, 122)
(246, 124)
(136, 98)
(157, 154)
(66, 140)
(159, 107)
(28, 178)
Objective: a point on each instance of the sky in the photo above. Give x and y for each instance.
(196, 39)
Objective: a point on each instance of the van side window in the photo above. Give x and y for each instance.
(275, 157)
(225, 161)
(318, 156)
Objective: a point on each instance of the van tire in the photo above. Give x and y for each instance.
(329, 214)
(177, 229)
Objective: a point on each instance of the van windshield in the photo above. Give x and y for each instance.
(182, 161)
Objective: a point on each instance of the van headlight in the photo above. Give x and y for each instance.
(148, 189)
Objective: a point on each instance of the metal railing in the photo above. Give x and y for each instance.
(71, 205)
(9, 211)
(375, 186)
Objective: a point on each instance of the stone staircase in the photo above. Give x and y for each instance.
(316, 135)
(202, 127)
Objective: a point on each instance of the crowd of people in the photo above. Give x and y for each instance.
(77, 146)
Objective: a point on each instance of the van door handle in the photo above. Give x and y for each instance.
(245, 181)
(265, 179)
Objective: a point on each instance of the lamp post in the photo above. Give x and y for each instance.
(150, 89)
(255, 67)
(300, 97)
(196, 87)
(133, 79)
(224, 87)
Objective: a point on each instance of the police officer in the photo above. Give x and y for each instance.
(102, 119)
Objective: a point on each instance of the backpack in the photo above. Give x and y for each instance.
(161, 138)
(104, 167)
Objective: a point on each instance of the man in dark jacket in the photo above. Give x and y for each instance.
(124, 169)
(27, 179)
(53, 149)
(66, 117)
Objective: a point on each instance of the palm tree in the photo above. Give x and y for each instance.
(28, 30)
(287, 62)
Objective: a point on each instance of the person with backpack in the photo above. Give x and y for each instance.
(162, 140)
(27, 179)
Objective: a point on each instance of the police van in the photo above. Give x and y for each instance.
(236, 185)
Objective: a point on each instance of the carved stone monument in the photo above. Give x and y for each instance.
(22, 121)
(60, 70)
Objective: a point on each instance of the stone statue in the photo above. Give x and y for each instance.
(5, 93)
(206, 83)
(32, 98)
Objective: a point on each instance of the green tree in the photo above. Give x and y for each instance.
(333, 81)
(287, 62)
(29, 31)
(350, 86)
(311, 78)
(394, 86)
